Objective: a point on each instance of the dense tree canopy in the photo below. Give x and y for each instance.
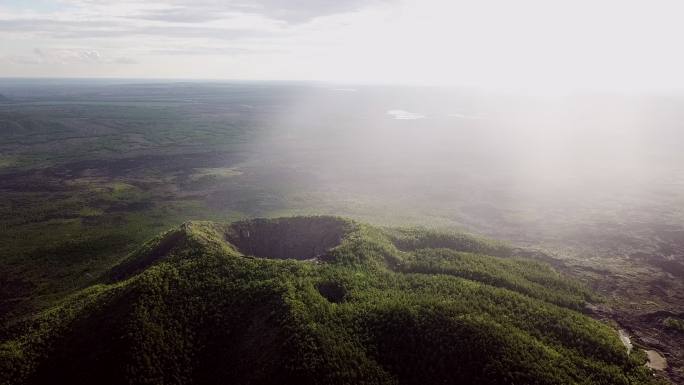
(378, 306)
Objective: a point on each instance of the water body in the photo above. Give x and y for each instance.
(655, 360)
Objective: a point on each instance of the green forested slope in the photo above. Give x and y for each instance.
(382, 306)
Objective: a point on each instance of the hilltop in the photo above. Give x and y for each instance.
(314, 300)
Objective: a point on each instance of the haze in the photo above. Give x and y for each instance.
(535, 46)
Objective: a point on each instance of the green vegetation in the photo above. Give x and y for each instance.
(359, 307)
(674, 324)
(88, 172)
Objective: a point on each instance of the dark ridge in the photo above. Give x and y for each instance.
(412, 239)
(661, 314)
(4, 99)
(287, 238)
(150, 253)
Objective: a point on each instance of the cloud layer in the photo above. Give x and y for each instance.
(499, 43)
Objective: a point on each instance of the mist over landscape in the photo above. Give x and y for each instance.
(382, 192)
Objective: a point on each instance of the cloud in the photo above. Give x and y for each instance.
(211, 50)
(429, 42)
(464, 116)
(189, 11)
(297, 11)
(137, 31)
(45, 24)
(79, 29)
(207, 19)
(404, 115)
(65, 56)
(183, 14)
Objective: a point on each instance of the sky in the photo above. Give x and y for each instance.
(542, 44)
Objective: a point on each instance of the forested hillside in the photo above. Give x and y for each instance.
(319, 300)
